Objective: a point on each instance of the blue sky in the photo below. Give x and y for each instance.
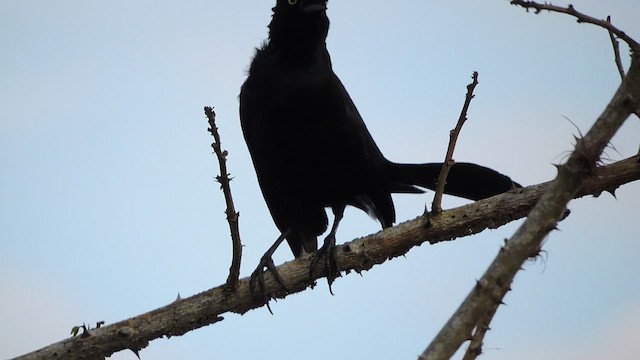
(108, 207)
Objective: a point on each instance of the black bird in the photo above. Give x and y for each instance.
(310, 147)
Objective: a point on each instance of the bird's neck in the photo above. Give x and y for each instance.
(299, 35)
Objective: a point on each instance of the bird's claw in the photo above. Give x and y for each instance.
(266, 264)
(327, 254)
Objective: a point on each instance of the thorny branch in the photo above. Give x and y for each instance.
(436, 206)
(478, 308)
(187, 314)
(232, 215)
(526, 242)
(581, 18)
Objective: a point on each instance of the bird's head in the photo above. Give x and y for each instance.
(300, 7)
(299, 21)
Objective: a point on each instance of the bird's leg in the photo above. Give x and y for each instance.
(266, 264)
(328, 250)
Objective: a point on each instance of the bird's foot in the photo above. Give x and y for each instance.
(266, 265)
(327, 255)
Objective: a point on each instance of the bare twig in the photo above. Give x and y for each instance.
(633, 44)
(475, 345)
(436, 206)
(186, 314)
(232, 215)
(616, 50)
(570, 10)
(526, 242)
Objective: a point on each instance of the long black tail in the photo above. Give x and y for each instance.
(467, 180)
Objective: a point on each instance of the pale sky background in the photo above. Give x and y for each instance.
(108, 205)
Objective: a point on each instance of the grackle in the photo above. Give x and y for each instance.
(310, 147)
